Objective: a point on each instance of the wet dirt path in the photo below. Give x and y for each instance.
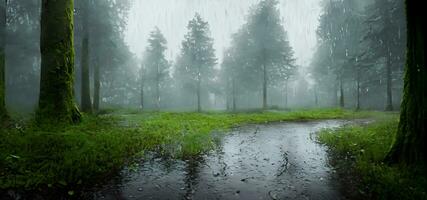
(274, 161)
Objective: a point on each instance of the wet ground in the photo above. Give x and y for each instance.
(274, 161)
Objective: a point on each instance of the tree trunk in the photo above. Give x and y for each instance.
(3, 112)
(56, 101)
(142, 86)
(96, 87)
(316, 97)
(335, 94)
(158, 88)
(199, 106)
(410, 146)
(389, 106)
(86, 103)
(234, 96)
(358, 90)
(341, 93)
(227, 95)
(264, 88)
(286, 93)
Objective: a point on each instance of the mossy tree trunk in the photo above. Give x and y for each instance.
(86, 103)
(410, 146)
(3, 112)
(56, 101)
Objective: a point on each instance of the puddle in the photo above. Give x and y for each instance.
(274, 161)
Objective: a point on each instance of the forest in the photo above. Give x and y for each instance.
(226, 99)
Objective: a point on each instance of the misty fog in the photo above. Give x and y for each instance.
(338, 55)
(212, 99)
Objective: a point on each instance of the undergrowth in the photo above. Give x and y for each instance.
(32, 157)
(364, 147)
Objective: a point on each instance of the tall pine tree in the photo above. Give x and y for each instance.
(197, 57)
(270, 48)
(155, 63)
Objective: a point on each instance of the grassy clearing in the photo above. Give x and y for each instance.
(70, 157)
(364, 148)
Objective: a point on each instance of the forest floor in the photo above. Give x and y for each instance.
(65, 160)
(357, 153)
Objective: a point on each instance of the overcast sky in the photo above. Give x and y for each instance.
(224, 16)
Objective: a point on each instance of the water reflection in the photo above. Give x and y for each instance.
(275, 161)
(192, 170)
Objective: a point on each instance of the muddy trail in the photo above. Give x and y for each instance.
(274, 161)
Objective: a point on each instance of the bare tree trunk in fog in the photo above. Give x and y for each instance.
(389, 105)
(264, 88)
(341, 93)
(286, 93)
(335, 93)
(56, 101)
(199, 106)
(316, 97)
(410, 146)
(96, 87)
(3, 112)
(86, 103)
(227, 95)
(358, 89)
(141, 74)
(157, 87)
(234, 96)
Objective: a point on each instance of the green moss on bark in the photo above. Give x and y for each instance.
(410, 146)
(56, 101)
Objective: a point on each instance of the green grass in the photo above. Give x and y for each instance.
(364, 148)
(70, 157)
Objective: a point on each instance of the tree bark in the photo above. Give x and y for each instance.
(3, 111)
(96, 87)
(56, 100)
(410, 146)
(86, 103)
(389, 105)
